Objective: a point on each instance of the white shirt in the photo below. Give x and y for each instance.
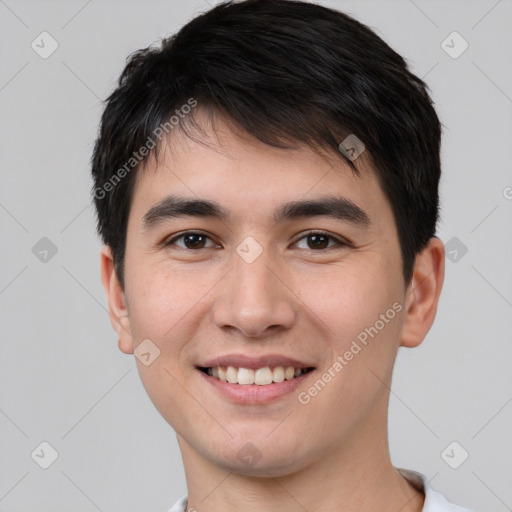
(434, 501)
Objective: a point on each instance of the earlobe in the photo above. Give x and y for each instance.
(125, 342)
(423, 293)
(118, 311)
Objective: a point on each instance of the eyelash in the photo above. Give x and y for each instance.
(339, 242)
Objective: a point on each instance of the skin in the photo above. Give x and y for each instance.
(294, 299)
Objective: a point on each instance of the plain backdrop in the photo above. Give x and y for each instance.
(63, 380)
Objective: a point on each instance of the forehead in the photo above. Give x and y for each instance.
(242, 173)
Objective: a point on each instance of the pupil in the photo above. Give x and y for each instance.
(193, 240)
(318, 240)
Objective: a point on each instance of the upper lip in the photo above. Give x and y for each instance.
(244, 361)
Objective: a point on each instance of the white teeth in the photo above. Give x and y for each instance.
(232, 375)
(278, 374)
(245, 376)
(289, 373)
(261, 376)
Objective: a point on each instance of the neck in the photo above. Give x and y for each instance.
(356, 476)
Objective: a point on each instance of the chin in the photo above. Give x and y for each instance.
(260, 458)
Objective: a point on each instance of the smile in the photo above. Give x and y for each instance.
(257, 380)
(263, 376)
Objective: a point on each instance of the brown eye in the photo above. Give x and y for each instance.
(191, 240)
(319, 240)
(194, 241)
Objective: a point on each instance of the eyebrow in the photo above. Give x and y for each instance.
(335, 207)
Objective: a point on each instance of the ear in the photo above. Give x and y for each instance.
(119, 317)
(423, 293)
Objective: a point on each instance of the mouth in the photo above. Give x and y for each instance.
(264, 376)
(254, 380)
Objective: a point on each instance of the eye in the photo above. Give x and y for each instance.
(318, 240)
(191, 240)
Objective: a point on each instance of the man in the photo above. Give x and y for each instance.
(266, 185)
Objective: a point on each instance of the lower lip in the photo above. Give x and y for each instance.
(252, 393)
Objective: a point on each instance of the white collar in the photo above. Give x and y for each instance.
(434, 501)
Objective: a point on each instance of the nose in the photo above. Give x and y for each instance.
(254, 298)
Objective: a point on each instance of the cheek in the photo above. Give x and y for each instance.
(161, 299)
(348, 300)
(364, 319)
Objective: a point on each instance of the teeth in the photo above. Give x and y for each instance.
(232, 375)
(278, 374)
(289, 373)
(245, 376)
(261, 376)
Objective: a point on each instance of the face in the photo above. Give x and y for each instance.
(262, 288)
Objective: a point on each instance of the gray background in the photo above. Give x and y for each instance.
(63, 379)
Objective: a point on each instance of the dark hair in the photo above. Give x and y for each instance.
(286, 72)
